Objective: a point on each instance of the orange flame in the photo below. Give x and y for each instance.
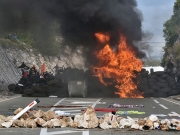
(118, 65)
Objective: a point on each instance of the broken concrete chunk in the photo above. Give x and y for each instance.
(74, 125)
(114, 124)
(40, 121)
(56, 122)
(149, 124)
(87, 119)
(48, 115)
(18, 123)
(126, 122)
(25, 116)
(141, 122)
(30, 123)
(48, 124)
(135, 126)
(9, 118)
(32, 114)
(38, 114)
(153, 118)
(17, 111)
(105, 125)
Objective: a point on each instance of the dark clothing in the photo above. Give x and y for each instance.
(23, 66)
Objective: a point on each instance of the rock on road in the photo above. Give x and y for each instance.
(159, 106)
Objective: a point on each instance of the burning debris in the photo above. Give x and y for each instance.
(87, 120)
(119, 65)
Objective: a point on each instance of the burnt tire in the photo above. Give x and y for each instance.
(158, 73)
(159, 94)
(149, 91)
(174, 92)
(39, 95)
(52, 82)
(59, 85)
(156, 88)
(143, 88)
(162, 85)
(160, 80)
(17, 90)
(40, 89)
(11, 87)
(164, 76)
(26, 95)
(147, 95)
(165, 90)
(29, 91)
(52, 90)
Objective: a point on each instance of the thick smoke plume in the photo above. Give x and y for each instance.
(75, 20)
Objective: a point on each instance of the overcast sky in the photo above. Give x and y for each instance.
(155, 13)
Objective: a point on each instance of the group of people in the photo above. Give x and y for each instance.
(32, 72)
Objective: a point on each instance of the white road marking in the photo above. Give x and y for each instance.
(156, 101)
(9, 98)
(73, 111)
(57, 104)
(163, 106)
(161, 115)
(176, 114)
(171, 101)
(95, 103)
(44, 132)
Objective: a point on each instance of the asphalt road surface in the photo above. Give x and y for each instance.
(158, 106)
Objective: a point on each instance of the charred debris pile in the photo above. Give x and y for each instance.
(159, 83)
(153, 84)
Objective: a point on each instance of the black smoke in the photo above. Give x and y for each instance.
(75, 20)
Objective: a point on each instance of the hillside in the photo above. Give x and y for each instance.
(12, 56)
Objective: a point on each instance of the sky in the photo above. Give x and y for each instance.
(155, 13)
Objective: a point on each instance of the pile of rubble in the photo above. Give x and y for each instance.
(87, 120)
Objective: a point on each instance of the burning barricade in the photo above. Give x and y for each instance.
(87, 120)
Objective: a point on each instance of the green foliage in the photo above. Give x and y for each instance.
(6, 43)
(176, 49)
(171, 30)
(26, 38)
(176, 6)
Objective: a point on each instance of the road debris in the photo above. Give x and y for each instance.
(59, 106)
(19, 113)
(87, 120)
(129, 112)
(115, 105)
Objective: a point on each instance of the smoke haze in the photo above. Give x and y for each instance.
(75, 20)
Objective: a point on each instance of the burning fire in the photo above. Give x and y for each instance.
(118, 65)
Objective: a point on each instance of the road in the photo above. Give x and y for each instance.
(159, 106)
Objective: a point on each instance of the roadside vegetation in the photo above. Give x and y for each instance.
(171, 34)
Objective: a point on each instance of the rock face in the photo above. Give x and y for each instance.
(11, 58)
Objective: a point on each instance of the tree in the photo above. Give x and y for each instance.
(171, 30)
